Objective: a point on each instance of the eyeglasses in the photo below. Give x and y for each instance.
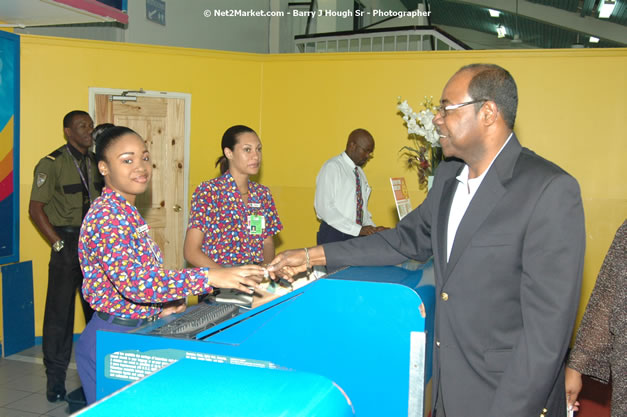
(443, 110)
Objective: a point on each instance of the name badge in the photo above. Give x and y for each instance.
(143, 229)
(254, 205)
(256, 224)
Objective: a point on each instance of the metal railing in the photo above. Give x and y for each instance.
(379, 40)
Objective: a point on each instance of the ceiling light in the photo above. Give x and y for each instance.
(500, 31)
(606, 9)
(594, 39)
(494, 13)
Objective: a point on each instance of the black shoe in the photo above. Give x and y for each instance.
(55, 389)
(76, 400)
(54, 396)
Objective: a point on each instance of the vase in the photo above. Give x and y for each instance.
(429, 182)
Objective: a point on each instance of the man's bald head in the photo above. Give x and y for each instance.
(360, 146)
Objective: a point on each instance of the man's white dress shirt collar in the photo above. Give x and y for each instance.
(466, 190)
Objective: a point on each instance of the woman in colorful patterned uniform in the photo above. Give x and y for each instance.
(124, 280)
(233, 219)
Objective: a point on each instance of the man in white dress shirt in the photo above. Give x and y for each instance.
(342, 192)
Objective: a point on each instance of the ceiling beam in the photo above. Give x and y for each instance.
(557, 17)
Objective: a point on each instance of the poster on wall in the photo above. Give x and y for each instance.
(9, 147)
(401, 196)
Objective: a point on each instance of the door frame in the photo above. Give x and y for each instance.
(93, 91)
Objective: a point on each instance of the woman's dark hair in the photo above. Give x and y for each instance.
(229, 140)
(108, 137)
(99, 129)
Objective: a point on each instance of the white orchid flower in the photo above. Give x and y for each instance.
(424, 134)
(404, 108)
(411, 125)
(433, 138)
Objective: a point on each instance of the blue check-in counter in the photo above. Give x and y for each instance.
(365, 330)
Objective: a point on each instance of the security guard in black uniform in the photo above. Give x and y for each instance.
(66, 182)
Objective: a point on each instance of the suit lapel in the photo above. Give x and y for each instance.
(485, 200)
(443, 213)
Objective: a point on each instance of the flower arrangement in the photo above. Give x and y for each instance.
(425, 154)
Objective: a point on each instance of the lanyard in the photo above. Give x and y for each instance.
(143, 231)
(255, 223)
(253, 204)
(80, 172)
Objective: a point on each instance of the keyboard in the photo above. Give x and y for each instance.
(197, 319)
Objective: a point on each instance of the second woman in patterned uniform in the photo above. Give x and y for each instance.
(233, 219)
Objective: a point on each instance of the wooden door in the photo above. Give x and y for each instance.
(161, 123)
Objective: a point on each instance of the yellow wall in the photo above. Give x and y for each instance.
(304, 106)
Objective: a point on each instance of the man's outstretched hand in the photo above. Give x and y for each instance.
(291, 262)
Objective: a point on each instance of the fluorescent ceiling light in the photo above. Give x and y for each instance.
(500, 31)
(594, 39)
(606, 9)
(494, 13)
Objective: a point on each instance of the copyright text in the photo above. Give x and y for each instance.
(348, 13)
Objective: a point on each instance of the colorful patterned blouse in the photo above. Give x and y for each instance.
(122, 265)
(220, 213)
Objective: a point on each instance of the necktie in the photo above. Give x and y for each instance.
(360, 200)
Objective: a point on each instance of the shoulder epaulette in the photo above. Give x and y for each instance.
(54, 155)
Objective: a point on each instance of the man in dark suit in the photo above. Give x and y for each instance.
(506, 230)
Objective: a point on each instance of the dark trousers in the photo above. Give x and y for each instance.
(64, 279)
(328, 234)
(86, 352)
